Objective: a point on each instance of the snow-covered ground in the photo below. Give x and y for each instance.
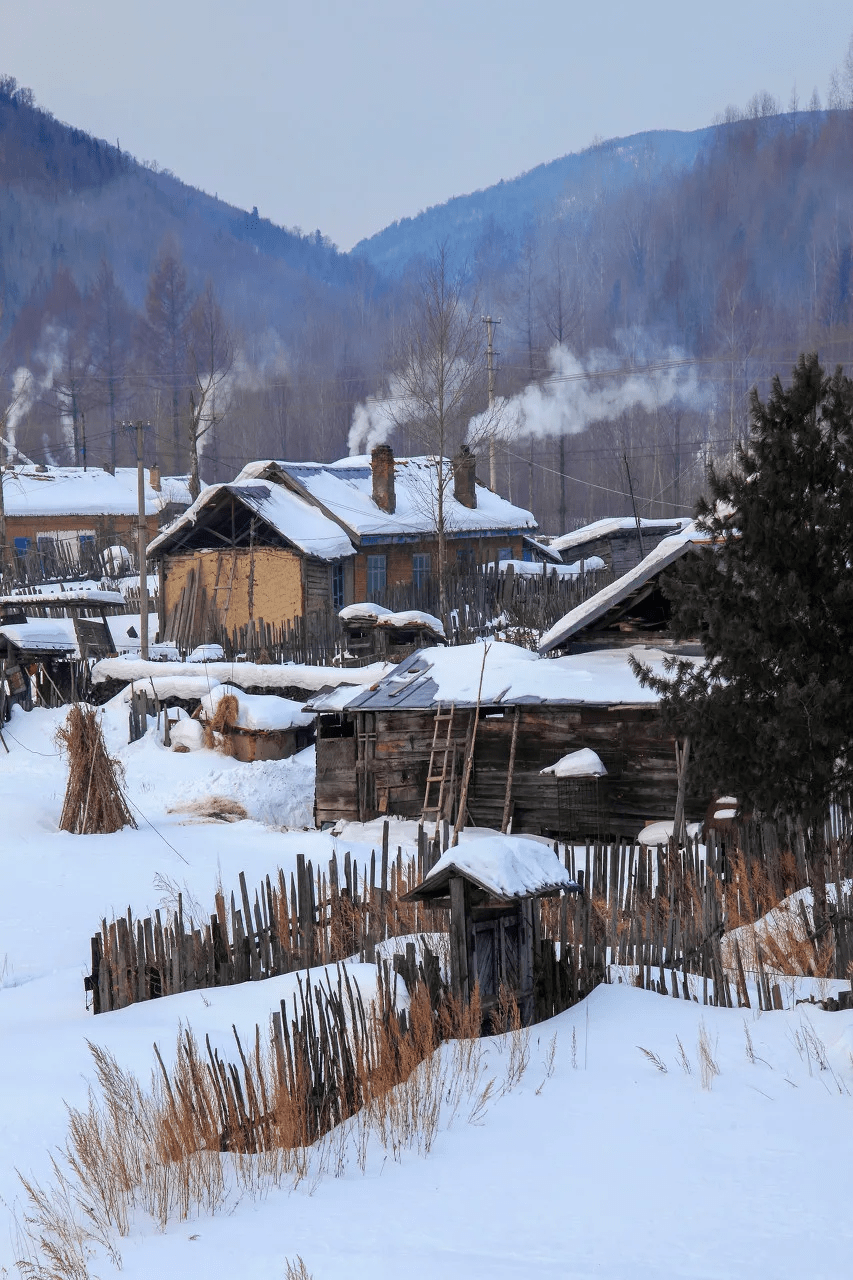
(607, 1167)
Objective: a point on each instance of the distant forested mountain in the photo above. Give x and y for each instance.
(643, 285)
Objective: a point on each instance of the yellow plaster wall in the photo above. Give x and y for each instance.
(272, 576)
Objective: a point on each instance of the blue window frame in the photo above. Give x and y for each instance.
(420, 569)
(376, 575)
(504, 553)
(338, 585)
(22, 546)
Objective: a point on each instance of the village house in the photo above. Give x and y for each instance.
(568, 748)
(286, 539)
(59, 517)
(615, 541)
(632, 609)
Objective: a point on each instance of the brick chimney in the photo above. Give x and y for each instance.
(154, 478)
(382, 468)
(464, 478)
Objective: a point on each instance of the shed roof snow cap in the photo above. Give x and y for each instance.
(506, 867)
(577, 764)
(382, 617)
(258, 712)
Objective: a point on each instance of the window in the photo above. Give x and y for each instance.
(22, 546)
(465, 558)
(420, 570)
(338, 585)
(504, 553)
(375, 575)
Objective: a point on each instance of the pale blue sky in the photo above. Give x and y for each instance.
(345, 116)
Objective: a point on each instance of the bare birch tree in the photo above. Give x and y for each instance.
(439, 384)
(211, 357)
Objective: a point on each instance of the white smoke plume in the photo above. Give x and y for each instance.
(578, 392)
(27, 386)
(376, 418)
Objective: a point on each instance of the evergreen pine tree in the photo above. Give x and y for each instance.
(770, 714)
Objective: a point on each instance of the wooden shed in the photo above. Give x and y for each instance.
(376, 634)
(616, 541)
(490, 886)
(633, 607)
(401, 747)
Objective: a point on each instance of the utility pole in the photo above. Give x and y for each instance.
(142, 543)
(634, 505)
(490, 369)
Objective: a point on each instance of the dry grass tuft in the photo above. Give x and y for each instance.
(300, 1103)
(94, 800)
(708, 1065)
(654, 1059)
(296, 1270)
(225, 717)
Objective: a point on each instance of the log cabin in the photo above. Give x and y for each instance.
(616, 541)
(633, 608)
(402, 746)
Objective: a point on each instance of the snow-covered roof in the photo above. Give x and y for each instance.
(506, 867)
(56, 599)
(617, 524)
(295, 518)
(42, 635)
(75, 491)
(382, 617)
(512, 676)
(345, 491)
(594, 609)
(256, 711)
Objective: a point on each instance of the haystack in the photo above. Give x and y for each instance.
(224, 718)
(94, 800)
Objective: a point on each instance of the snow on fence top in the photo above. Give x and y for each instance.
(252, 675)
(511, 676)
(594, 608)
(75, 491)
(505, 867)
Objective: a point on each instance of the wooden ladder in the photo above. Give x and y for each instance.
(444, 748)
(227, 587)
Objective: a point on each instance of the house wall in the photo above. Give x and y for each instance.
(399, 556)
(107, 529)
(262, 582)
(383, 768)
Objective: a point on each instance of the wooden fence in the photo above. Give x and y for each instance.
(656, 916)
(319, 917)
(480, 597)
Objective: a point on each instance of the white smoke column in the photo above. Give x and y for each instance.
(24, 390)
(376, 418)
(577, 393)
(409, 394)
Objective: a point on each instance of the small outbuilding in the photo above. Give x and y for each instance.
(490, 885)
(376, 634)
